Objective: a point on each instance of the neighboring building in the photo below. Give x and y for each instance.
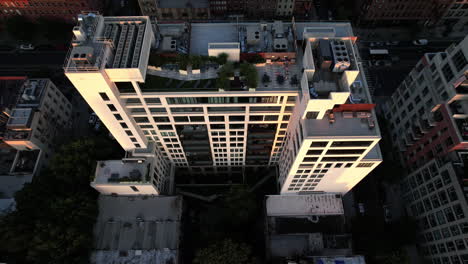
(209, 9)
(452, 13)
(34, 9)
(318, 124)
(435, 195)
(127, 41)
(455, 16)
(38, 117)
(428, 113)
(427, 118)
(176, 10)
(138, 230)
(307, 228)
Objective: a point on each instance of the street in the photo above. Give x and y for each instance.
(31, 63)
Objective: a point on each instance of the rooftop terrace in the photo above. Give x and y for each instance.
(344, 124)
(118, 171)
(304, 205)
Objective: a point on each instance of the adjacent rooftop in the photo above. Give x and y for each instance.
(119, 171)
(346, 123)
(304, 205)
(115, 41)
(137, 230)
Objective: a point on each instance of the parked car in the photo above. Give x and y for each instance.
(392, 43)
(361, 208)
(26, 46)
(92, 119)
(420, 42)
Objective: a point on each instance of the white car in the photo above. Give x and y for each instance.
(420, 42)
(26, 47)
(361, 208)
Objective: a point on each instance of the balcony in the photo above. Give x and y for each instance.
(462, 125)
(459, 109)
(122, 172)
(13, 135)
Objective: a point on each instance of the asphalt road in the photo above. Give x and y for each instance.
(31, 62)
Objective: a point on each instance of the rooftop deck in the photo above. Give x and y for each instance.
(117, 171)
(304, 205)
(345, 124)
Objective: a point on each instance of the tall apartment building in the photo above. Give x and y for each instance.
(455, 17)
(435, 195)
(34, 9)
(428, 113)
(307, 108)
(452, 13)
(428, 123)
(34, 121)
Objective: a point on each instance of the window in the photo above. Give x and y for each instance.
(447, 72)
(118, 117)
(459, 60)
(123, 125)
(125, 87)
(181, 119)
(312, 115)
(112, 107)
(351, 143)
(152, 101)
(141, 119)
(236, 118)
(104, 96)
(134, 188)
(362, 165)
(161, 119)
(216, 118)
(448, 142)
(197, 119)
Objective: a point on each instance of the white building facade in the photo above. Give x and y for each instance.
(194, 124)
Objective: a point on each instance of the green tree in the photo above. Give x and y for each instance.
(226, 252)
(398, 256)
(21, 28)
(55, 214)
(222, 58)
(250, 73)
(240, 205)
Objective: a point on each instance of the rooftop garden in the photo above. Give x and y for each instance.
(157, 84)
(231, 75)
(184, 60)
(244, 74)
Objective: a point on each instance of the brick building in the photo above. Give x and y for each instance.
(34, 9)
(424, 12)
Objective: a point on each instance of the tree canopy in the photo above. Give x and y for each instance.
(226, 251)
(55, 214)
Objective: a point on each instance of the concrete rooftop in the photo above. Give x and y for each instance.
(341, 127)
(114, 171)
(304, 205)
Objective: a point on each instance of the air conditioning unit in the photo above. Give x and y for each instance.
(341, 61)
